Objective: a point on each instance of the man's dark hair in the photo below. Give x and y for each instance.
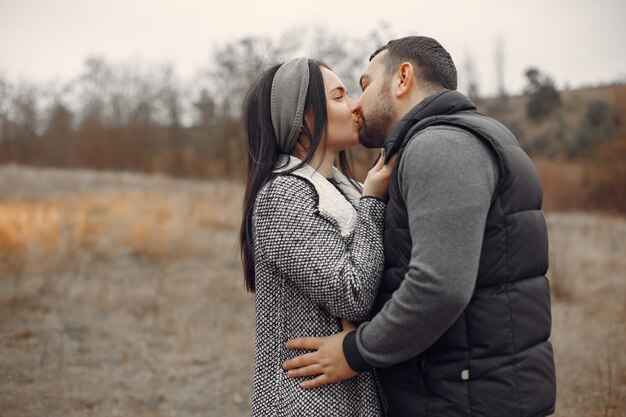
(434, 65)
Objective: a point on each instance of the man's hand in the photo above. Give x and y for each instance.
(327, 362)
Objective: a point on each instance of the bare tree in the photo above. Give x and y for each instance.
(348, 56)
(237, 64)
(4, 110)
(499, 60)
(169, 98)
(204, 108)
(58, 137)
(472, 78)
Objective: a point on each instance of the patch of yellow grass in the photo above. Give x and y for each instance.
(28, 233)
(151, 225)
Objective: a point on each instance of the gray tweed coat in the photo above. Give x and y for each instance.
(318, 258)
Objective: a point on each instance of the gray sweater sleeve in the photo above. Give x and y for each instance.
(447, 179)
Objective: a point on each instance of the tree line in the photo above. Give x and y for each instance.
(131, 116)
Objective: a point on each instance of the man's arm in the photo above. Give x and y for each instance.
(447, 179)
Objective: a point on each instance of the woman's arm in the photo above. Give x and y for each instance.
(311, 252)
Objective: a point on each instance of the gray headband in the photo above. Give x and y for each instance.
(289, 88)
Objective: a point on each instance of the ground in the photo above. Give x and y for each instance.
(122, 295)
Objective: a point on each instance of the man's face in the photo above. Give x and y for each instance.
(376, 104)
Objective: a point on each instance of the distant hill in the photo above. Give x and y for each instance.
(579, 148)
(584, 119)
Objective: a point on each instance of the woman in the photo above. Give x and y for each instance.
(311, 243)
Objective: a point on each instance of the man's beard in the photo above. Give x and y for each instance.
(375, 128)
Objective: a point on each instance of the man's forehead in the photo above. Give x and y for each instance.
(376, 64)
(379, 56)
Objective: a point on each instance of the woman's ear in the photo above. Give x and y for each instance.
(309, 121)
(304, 136)
(302, 145)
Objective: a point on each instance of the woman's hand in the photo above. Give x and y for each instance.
(377, 181)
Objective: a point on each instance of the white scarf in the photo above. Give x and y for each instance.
(332, 203)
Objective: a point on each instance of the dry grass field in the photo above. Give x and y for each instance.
(121, 295)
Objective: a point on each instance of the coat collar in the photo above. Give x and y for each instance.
(331, 203)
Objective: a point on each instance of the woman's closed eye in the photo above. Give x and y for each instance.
(337, 93)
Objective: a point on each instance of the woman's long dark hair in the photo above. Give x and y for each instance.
(263, 153)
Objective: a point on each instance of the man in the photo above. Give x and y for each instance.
(462, 320)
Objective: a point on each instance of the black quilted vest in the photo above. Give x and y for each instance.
(496, 359)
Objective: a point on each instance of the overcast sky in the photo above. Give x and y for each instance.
(574, 41)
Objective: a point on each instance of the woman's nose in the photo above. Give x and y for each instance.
(354, 106)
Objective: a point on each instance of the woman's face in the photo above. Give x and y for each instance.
(343, 122)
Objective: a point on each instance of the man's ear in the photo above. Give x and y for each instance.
(405, 79)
